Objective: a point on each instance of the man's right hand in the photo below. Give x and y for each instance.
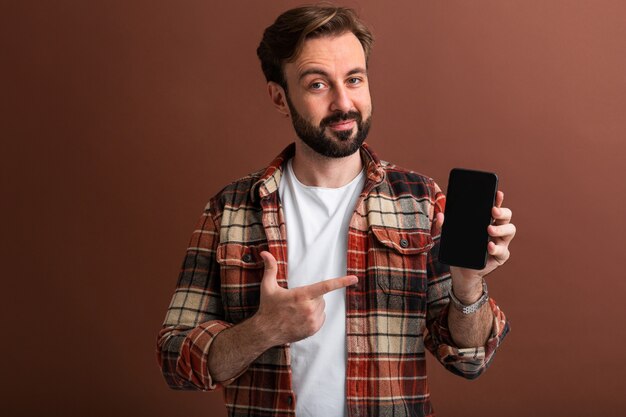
(289, 315)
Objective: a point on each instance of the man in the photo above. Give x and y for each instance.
(312, 287)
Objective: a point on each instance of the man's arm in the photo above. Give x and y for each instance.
(284, 316)
(470, 330)
(195, 315)
(197, 349)
(464, 344)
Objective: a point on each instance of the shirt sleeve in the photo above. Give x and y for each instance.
(466, 362)
(195, 314)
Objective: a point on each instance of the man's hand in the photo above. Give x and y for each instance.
(467, 283)
(289, 315)
(284, 316)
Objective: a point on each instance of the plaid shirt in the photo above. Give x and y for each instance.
(396, 311)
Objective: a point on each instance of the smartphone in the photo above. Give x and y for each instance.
(470, 197)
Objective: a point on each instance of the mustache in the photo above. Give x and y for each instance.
(339, 117)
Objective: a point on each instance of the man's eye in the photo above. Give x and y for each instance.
(317, 86)
(354, 80)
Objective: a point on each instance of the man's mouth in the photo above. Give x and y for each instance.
(343, 125)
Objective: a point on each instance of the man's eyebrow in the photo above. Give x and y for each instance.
(318, 71)
(357, 70)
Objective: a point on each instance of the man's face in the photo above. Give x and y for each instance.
(328, 95)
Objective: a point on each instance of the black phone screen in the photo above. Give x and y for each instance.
(470, 197)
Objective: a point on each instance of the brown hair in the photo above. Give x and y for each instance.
(283, 40)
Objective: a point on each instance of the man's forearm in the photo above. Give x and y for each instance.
(234, 349)
(470, 330)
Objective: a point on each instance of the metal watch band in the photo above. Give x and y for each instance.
(472, 308)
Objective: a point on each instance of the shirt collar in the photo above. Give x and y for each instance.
(269, 180)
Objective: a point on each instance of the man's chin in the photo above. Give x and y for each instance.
(342, 136)
(341, 147)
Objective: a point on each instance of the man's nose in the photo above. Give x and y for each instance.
(341, 100)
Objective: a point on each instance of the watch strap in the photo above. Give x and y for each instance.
(472, 308)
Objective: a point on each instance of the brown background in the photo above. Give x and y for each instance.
(121, 118)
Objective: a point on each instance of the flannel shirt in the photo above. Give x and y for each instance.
(397, 310)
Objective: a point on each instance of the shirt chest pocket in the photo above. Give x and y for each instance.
(399, 259)
(241, 272)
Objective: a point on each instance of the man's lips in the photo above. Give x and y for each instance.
(343, 125)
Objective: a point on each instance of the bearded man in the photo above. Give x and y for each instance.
(312, 287)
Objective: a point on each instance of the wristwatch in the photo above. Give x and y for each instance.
(472, 308)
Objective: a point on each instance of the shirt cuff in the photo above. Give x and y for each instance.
(193, 364)
(467, 362)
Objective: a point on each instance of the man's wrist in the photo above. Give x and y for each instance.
(260, 330)
(466, 284)
(470, 304)
(468, 293)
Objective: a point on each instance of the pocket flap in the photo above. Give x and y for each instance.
(242, 256)
(406, 242)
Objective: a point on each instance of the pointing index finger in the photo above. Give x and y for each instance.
(320, 288)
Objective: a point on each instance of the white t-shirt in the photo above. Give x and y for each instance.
(317, 222)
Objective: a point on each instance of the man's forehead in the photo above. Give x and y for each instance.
(342, 52)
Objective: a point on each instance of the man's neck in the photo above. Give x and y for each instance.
(315, 170)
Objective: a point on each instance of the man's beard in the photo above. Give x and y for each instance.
(316, 139)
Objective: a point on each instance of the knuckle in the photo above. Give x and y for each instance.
(309, 310)
(321, 320)
(297, 296)
(496, 231)
(504, 256)
(312, 325)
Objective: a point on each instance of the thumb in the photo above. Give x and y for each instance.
(271, 269)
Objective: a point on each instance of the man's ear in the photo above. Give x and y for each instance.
(279, 98)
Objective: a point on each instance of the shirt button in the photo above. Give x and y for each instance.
(404, 243)
(247, 258)
(289, 400)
